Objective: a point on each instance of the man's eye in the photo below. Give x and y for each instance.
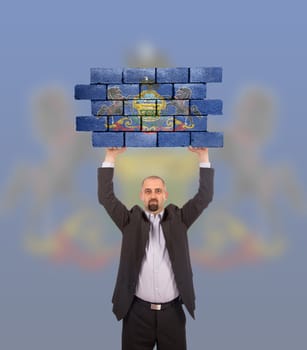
(158, 190)
(147, 191)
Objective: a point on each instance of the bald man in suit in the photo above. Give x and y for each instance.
(155, 276)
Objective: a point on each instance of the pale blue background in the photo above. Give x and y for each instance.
(45, 306)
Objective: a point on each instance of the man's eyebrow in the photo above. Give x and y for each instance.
(152, 188)
(155, 188)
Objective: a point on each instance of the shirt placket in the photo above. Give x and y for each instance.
(155, 255)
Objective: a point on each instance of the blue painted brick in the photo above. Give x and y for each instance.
(140, 107)
(90, 92)
(157, 123)
(176, 107)
(173, 139)
(91, 124)
(106, 75)
(107, 139)
(204, 107)
(141, 139)
(173, 75)
(139, 75)
(150, 107)
(207, 139)
(190, 91)
(124, 123)
(123, 91)
(190, 123)
(206, 75)
(107, 107)
(150, 91)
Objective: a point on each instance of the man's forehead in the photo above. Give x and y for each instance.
(153, 183)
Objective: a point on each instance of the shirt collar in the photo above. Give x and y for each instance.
(149, 213)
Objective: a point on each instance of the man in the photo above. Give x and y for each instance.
(154, 276)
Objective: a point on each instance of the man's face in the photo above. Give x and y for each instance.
(153, 195)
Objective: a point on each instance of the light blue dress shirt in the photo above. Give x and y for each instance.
(156, 282)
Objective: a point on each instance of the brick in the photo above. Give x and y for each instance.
(150, 91)
(207, 139)
(123, 91)
(161, 107)
(204, 107)
(107, 107)
(173, 139)
(90, 92)
(140, 107)
(173, 75)
(141, 139)
(150, 107)
(91, 123)
(157, 123)
(190, 123)
(139, 75)
(106, 75)
(206, 75)
(124, 123)
(176, 107)
(107, 139)
(190, 91)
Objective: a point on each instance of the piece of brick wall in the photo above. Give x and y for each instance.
(150, 107)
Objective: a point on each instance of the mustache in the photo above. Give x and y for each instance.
(153, 201)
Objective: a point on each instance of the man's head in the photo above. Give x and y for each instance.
(153, 194)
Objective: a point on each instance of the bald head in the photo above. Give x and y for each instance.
(154, 177)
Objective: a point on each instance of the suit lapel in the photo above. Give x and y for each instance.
(144, 234)
(166, 227)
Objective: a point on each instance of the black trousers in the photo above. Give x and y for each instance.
(143, 328)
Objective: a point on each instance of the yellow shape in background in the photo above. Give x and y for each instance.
(149, 105)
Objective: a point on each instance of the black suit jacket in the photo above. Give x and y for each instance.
(134, 226)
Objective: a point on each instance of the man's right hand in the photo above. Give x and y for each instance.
(112, 153)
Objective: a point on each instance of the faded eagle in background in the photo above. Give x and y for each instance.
(64, 223)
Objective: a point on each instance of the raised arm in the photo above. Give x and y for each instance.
(194, 207)
(114, 207)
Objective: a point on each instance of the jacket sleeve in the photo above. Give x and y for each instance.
(106, 197)
(194, 207)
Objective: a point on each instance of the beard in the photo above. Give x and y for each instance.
(153, 205)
